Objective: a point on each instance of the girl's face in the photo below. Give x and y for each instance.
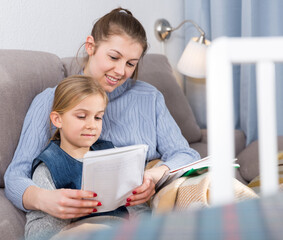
(81, 126)
(113, 61)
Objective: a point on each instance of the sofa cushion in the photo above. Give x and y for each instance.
(200, 147)
(249, 159)
(24, 74)
(72, 65)
(12, 220)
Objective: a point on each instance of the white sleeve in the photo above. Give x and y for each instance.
(41, 225)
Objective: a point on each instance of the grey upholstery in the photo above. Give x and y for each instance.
(23, 74)
(248, 159)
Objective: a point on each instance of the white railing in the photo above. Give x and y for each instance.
(222, 54)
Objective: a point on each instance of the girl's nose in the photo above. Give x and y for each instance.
(91, 124)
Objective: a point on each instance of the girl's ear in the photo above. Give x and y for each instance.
(89, 45)
(56, 119)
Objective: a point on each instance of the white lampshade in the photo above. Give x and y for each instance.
(193, 60)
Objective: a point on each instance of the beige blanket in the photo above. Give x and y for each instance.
(193, 192)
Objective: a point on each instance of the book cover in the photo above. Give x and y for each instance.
(113, 174)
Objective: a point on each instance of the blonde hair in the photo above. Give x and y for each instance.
(71, 91)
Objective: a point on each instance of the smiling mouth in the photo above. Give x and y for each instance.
(112, 79)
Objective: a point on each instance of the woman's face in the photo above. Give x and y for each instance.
(113, 61)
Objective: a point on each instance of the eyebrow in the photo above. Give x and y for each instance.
(85, 110)
(134, 59)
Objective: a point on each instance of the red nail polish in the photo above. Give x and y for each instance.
(94, 195)
(99, 204)
(127, 204)
(128, 199)
(134, 192)
(94, 210)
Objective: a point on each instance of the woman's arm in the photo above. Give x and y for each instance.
(173, 148)
(171, 144)
(49, 199)
(60, 203)
(34, 137)
(144, 192)
(19, 188)
(41, 225)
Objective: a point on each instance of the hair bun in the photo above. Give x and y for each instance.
(122, 10)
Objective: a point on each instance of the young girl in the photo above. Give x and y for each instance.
(136, 114)
(78, 108)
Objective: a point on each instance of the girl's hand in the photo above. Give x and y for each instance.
(62, 203)
(144, 192)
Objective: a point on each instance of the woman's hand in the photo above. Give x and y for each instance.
(144, 192)
(60, 203)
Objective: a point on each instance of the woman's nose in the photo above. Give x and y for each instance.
(120, 68)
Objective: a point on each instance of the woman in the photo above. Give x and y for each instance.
(136, 114)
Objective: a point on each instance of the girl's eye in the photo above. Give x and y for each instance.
(80, 117)
(98, 118)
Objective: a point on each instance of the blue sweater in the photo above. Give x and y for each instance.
(136, 114)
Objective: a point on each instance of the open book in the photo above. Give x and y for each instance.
(186, 170)
(113, 174)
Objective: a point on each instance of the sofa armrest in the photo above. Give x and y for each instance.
(12, 221)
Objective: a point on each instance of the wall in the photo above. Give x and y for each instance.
(61, 26)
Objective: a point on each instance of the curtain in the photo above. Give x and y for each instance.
(238, 18)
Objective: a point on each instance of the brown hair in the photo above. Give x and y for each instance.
(118, 22)
(71, 91)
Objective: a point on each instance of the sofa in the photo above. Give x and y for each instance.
(24, 74)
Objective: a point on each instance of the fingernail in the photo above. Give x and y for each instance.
(134, 192)
(94, 195)
(99, 204)
(127, 204)
(128, 199)
(94, 210)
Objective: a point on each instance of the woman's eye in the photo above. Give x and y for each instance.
(113, 58)
(98, 118)
(131, 64)
(80, 117)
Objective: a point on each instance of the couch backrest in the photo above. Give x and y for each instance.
(23, 74)
(156, 70)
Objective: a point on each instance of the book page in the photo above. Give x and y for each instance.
(171, 175)
(113, 174)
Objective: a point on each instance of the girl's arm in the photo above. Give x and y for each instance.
(40, 225)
